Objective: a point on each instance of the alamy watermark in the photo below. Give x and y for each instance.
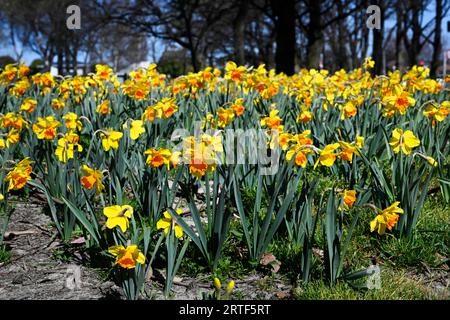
(73, 21)
(374, 20)
(250, 146)
(374, 277)
(73, 277)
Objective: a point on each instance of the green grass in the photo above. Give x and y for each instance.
(395, 285)
(5, 254)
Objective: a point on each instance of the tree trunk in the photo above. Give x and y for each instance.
(398, 34)
(239, 32)
(414, 48)
(341, 39)
(377, 48)
(285, 35)
(314, 34)
(437, 45)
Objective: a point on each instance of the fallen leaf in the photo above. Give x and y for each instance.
(80, 240)
(267, 258)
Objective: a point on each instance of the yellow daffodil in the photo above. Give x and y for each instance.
(300, 157)
(66, 147)
(238, 107)
(12, 120)
(349, 199)
(398, 101)
(110, 139)
(273, 121)
(327, 156)
(386, 218)
(103, 108)
(118, 216)
(103, 72)
(137, 128)
(234, 73)
(127, 257)
(57, 104)
(45, 128)
(305, 116)
(166, 222)
(72, 122)
(157, 158)
(28, 105)
(405, 141)
(217, 283)
(225, 117)
(12, 137)
(18, 177)
(92, 178)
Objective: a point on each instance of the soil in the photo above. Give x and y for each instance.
(35, 270)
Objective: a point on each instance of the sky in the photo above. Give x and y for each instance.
(29, 56)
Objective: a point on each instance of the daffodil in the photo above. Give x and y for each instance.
(398, 101)
(238, 107)
(166, 222)
(167, 107)
(349, 199)
(225, 117)
(13, 120)
(137, 128)
(103, 108)
(110, 139)
(19, 175)
(66, 147)
(368, 63)
(103, 72)
(28, 105)
(157, 158)
(273, 121)
(72, 122)
(347, 151)
(405, 141)
(327, 156)
(234, 73)
(12, 137)
(217, 283)
(118, 216)
(300, 157)
(305, 116)
(349, 110)
(92, 178)
(386, 219)
(127, 257)
(45, 128)
(57, 104)
(230, 287)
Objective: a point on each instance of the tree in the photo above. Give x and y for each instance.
(285, 35)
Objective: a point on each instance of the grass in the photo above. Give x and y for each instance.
(5, 254)
(403, 262)
(395, 285)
